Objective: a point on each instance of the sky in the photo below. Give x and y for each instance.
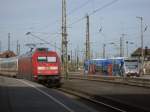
(43, 19)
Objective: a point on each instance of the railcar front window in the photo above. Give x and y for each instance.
(131, 64)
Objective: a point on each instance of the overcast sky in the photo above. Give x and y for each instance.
(43, 19)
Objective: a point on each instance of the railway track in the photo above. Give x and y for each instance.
(114, 106)
(98, 101)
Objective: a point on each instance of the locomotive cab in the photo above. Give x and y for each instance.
(40, 65)
(46, 66)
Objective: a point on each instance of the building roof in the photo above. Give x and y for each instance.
(7, 54)
(137, 52)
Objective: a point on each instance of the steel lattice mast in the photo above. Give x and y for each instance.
(64, 40)
(87, 44)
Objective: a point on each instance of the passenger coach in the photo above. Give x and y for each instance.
(9, 66)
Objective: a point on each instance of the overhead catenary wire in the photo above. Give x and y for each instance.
(81, 6)
(82, 18)
(29, 33)
(77, 8)
(94, 12)
(70, 13)
(104, 6)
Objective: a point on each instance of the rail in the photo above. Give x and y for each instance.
(133, 81)
(103, 101)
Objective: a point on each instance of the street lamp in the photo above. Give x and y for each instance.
(127, 43)
(0, 45)
(142, 53)
(28, 33)
(141, 20)
(116, 47)
(104, 48)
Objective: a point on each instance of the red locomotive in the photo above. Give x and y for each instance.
(40, 65)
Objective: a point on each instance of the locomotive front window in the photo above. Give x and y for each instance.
(41, 59)
(47, 59)
(51, 59)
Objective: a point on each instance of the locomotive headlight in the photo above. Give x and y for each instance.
(48, 68)
(54, 68)
(41, 68)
